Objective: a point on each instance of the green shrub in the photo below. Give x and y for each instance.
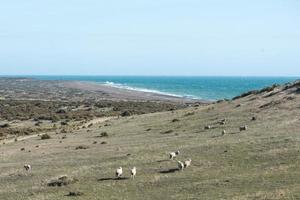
(4, 125)
(125, 113)
(104, 134)
(81, 147)
(45, 137)
(175, 120)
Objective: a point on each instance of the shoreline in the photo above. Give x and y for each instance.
(131, 88)
(194, 89)
(118, 93)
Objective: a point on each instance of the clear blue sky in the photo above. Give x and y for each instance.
(150, 37)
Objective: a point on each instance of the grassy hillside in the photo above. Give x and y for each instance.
(259, 163)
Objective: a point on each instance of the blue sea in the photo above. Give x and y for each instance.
(205, 88)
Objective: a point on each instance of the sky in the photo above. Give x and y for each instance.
(150, 37)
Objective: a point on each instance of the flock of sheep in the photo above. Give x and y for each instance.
(181, 165)
(133, 171)
(223, 122)
(119, 172)
(172, 156)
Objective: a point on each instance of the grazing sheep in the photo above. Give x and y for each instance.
(187, 163)
(180, 165)
(207, 127)
(243, 128)
(27, 167)
(173, 155)
(133, 172)
(223, 132)
(119, 172)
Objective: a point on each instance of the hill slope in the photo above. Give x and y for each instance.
(259, 163)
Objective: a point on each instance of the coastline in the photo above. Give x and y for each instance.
(119, 94)
(209, 89)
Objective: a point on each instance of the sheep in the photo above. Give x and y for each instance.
(133, 172)
(119, 172)
(207, 127)
(187, 163)
(243, 128)
(223, 132)
(173, 155)
(180, 165)
(27, 167)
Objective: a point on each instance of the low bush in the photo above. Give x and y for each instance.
(45, 137)
(104, 134)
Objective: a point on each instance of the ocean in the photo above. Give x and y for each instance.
(205, 88)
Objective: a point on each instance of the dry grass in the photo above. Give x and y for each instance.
(260, 163)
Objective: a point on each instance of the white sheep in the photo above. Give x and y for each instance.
(223, 132)
(173, 155)
(119, 172)
(27, 167)
(187, 163)
(243, 128)
(180, 165)
(133, 172)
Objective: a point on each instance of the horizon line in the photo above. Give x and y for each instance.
(107, 75)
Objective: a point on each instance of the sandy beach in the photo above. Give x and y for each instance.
(113, 93)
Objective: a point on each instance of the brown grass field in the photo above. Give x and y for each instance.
(259, 163)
